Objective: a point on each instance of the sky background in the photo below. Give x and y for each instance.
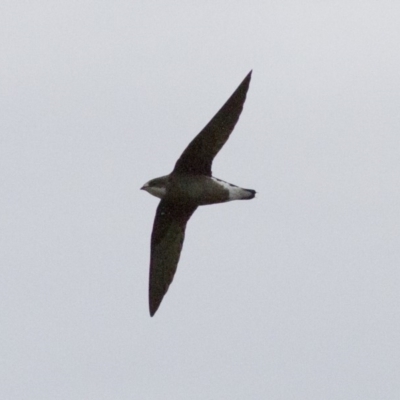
(293, 295)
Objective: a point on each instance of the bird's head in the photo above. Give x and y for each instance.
(157, 186)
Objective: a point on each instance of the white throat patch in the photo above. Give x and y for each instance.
(155, 191)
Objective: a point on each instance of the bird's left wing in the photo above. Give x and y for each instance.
(166, 245)
(199, 154)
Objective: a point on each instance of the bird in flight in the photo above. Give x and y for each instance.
(188, 186)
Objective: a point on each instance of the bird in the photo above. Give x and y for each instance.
(188, 186)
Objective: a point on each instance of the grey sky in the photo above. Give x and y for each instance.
(293, 295)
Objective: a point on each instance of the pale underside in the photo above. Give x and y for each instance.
(189, 185)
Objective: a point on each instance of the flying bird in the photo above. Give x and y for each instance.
(188, 186)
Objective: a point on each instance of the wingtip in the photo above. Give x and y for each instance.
(154, 302)
(152, 312)
(153, 308)
(247, 78)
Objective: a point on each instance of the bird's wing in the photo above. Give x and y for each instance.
(198, 156)
(166, 245)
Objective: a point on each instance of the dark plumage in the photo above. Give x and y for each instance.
(190, 185)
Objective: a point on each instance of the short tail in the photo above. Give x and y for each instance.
(250, 194)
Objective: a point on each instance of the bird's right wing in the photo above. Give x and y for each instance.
(166, 245)
(199, 154)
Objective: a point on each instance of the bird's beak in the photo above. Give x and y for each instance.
(144, 187)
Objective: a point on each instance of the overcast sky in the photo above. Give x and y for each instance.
(292, 295)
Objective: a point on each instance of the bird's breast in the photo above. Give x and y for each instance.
(199, 190)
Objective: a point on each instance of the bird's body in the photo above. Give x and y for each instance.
(198, 189)
(188, 186)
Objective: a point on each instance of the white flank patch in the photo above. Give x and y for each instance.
(235, 192)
